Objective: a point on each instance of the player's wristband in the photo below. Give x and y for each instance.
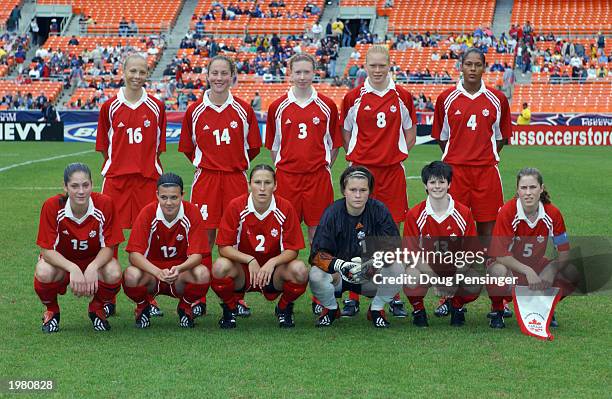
(251, 261)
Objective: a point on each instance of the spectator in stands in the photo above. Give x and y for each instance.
(347, 36)
(73, 41)
(317, 31)
(601, 41)
(524, 117)
(54, 27)
(41, 100)
(123, 27)
(34, 30)
(497, 67)
(333, 57)
(508, 82)
(360, 76)
(256, 102)
(14, 17)
(388, 4)
(49, 113)
(132, 28)
(337, 28)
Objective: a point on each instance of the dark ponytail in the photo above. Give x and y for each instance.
(544, 196)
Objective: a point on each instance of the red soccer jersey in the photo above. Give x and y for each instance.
(132, 135)
(377, 121)
(78, 240)
(218, 137)
(471, 123)
(526, 241)
(167, 244)
(303, 134)
(263, 236)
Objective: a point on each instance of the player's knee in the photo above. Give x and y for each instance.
(111, 273)
(201, 275)
(318, 277)
(497, 270)
(45, 273)
(298, 272)
(132, 276)
(222, 267)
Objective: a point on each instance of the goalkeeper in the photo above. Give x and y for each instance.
(339, 252)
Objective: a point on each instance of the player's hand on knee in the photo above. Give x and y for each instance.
(534, 281)
(265, 274)
(173, 274)
(91, 281)
(253, 271)
(77, 282)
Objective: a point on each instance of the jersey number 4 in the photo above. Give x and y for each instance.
(471, 123)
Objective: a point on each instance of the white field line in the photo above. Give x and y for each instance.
(16, 165)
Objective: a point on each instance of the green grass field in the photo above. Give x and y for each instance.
(351, 359)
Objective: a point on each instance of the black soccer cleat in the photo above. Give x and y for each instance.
(419, 318)
(242, 309)
(198, 310)
(317, 308)
(155, 311)
(554, 323)
(457, 316)
(443, 308)
(98, 319)
(110, 309)
(398, 309)
(228, 319)
(50, 322)
(497, 321)
(378, 318)
(285, 317)
(143, 320)
(327, 317)
(507, 312)
(350, 308)
(185, 320)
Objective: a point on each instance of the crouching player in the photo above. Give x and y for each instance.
(259, 239)
(340, 239)
(520, 238)
(166, 248)
(436, 225)
(77, 233)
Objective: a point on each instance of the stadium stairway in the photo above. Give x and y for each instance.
(173, 41)
(502, 17)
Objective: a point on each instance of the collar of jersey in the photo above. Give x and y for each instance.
(68, 211)
(520, 213)
(121, 98)
(302, 104)
(159, 215)
(449, 210)
(260, 216)
(468, 95)
(218, 108)
(370, 89)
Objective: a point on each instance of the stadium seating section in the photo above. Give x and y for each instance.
(6, 6)
(254, 26)
(564, 16)
(442, 16)
(51, 89)
(150, 16)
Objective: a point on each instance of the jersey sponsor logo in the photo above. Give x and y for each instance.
(316, 120)
(92, 234)
(234, 124)
(485, 112)
(458, 112)
(179, 237)
(120, 124)
(367, 108)
(288, 121)
(147, 123)
(206, 127)
(274, 233)
(393, 108)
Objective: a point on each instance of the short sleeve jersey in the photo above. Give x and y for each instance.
(78, 239)
(219, 137)
(471, 124)
(514, 235)
(263, 236)
(377, 121)
(132, 135)
(164, 243)
(303, 134)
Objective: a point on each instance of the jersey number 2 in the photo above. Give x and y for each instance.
(262, 239)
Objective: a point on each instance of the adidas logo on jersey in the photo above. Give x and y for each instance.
(485, 112)
(457, 112)
(367, 108)
(147, 123)
(288, 121)
(206, 127)
(65, 232)
(120, 124)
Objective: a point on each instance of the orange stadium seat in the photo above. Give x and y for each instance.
(51, 89)
(564, 16)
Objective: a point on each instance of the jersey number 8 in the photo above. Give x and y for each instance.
(381, 120)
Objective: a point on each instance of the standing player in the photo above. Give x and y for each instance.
(166, 248)
(303, 135)
(472, 122)
(220, 136)
(339, 247)
(131, 135)
(437, 224)
(379, 123)
(76, 234)
(259, 240)
(523, 227)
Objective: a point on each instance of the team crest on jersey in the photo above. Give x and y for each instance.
(540, 239)
(147, 123)
(316, 120)
(179, 237)
(361, 235)
(274, 233)
(393, 108)
(234, 124)
(65, 232)
(485, 112)
(92, 234)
